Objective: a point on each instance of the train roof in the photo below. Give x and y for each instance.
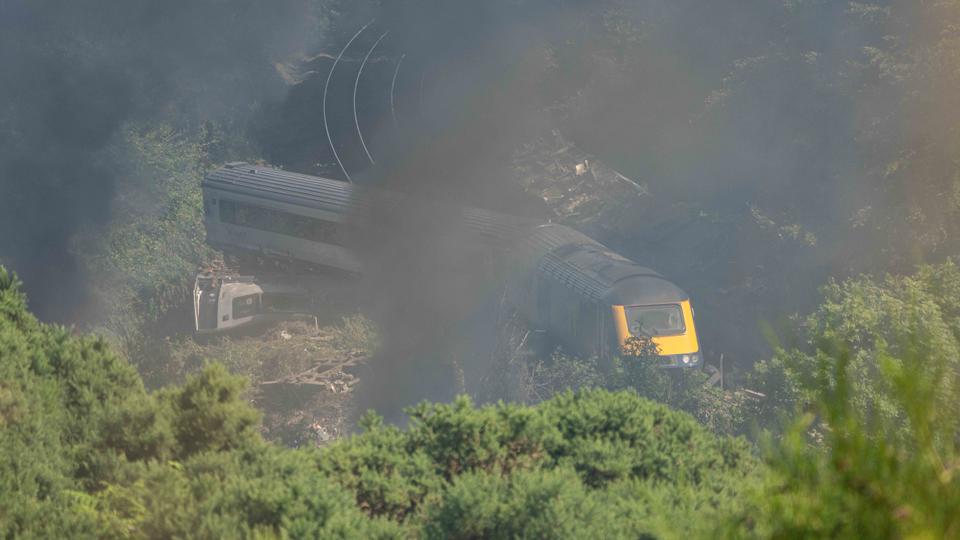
(283, 186)
(594, 271)
(340, 197)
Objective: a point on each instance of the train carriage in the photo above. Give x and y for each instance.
(594, 301)
(585, 296)
(274, 213)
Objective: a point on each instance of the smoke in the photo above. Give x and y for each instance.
(784, 145)
(781, 143)
(465, 97)
(428, 281)
(766, 134)
(74, 72)
(738, 118)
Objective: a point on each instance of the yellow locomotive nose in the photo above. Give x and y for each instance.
(669, 326)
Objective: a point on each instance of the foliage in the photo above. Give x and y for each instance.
(560, 372)
(506, 469)
(909, 127)
(255, 492)
(898, 323)
(80, 434)
(639, 347)
(528, 504)
(276, 353)
(356, 333)
(861, 481)
(141, 263)
(722, 411)
(874, 448)
(81, 73)
(57, 390)
(87, 451)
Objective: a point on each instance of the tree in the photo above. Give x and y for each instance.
(875, 444)
(897, 323)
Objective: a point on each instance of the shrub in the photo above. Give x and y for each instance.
(266, 491)
(876, 447)
(722, 411)
(86, 451)
(861, 482)
(909, 323)
(590, 442)
(529, 504)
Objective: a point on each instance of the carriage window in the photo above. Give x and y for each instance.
(228, 212)
(277, 221)
(283, 302)
(246, 306)
(655, 320)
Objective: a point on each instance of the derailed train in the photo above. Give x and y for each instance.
(586, 297)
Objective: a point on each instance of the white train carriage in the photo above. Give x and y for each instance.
(279, 215)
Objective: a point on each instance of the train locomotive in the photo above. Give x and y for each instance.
(576, 290)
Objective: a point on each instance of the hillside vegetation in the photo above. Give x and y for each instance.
(793, 165)
(88, 452)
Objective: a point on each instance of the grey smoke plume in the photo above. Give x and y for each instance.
(75, 71)
(781, 142)
(427, 281)
(747, 122)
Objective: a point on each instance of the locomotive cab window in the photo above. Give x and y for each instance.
(655, 321)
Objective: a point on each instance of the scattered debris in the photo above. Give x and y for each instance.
(328, 373)
(572, 182)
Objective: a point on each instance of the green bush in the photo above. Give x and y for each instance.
(870, 476)
(254, 492)
(356, 333)
(722, 411)
(57, 391)
(875, 450)
(505, 470)
(88, 452)
(528, 504)
(899, 323)
(142, 262)
(77, 423)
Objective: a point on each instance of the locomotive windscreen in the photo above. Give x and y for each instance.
(655, 320)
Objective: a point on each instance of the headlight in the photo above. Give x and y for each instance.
(685, 360)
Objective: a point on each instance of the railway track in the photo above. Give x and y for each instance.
(380, 89)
